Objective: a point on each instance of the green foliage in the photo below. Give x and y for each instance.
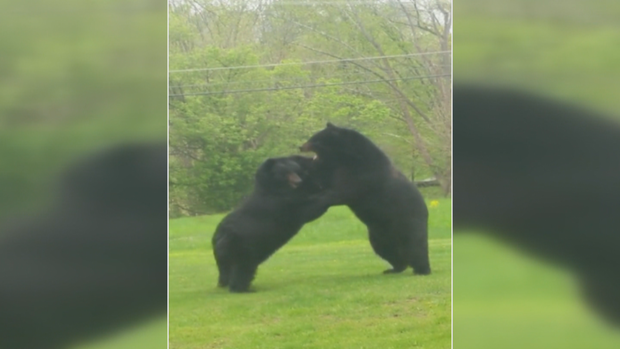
(74, 76)
(225, 122)
(324, 289)
(557, 58)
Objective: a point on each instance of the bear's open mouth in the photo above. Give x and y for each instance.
(294, 180)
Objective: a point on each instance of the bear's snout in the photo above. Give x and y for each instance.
(306, 147)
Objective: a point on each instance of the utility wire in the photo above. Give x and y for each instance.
(344, 60)
(308, 86)
(313, 2)
(274, 80)
(310, 3)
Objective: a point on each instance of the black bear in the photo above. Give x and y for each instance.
(95, 260)
(356, 173)
(266, 220)
(544, 176)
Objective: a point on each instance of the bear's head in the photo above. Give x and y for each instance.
(336, 142)
(281, 174)
(312, 174)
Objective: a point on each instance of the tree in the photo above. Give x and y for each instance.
(251, 80)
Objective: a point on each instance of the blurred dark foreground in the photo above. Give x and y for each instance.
(83, 98)
(536, 174)
(543, 176)
(95, 260)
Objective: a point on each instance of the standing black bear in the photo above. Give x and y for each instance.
(269, 218)
(356, 173)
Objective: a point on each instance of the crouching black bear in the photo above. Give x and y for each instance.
(356, 173)
(277, 209)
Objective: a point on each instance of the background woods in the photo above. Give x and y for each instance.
(250, 79)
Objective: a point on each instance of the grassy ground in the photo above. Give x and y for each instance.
(151, 334)
(322, 290)
(506, 299)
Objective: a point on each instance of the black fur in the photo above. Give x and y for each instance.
(269, 218)
(93, 262)
(356, 173)
(544, 176)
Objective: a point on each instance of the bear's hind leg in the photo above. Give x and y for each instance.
(416, 247)
(241, 277)
(223, 261)
(224, 277)
(389, 252)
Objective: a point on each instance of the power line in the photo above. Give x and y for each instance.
(310, 3)
(275, 80)
(309, 86)
(303, 63)
(342, 2)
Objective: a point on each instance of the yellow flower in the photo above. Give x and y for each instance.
(434, 203)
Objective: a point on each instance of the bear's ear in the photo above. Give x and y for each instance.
(333, 129)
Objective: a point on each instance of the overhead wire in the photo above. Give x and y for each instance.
(343, 60)
(309, 86)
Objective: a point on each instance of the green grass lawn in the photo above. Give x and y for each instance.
(506, 299)
(151, 334)
(324, 289)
